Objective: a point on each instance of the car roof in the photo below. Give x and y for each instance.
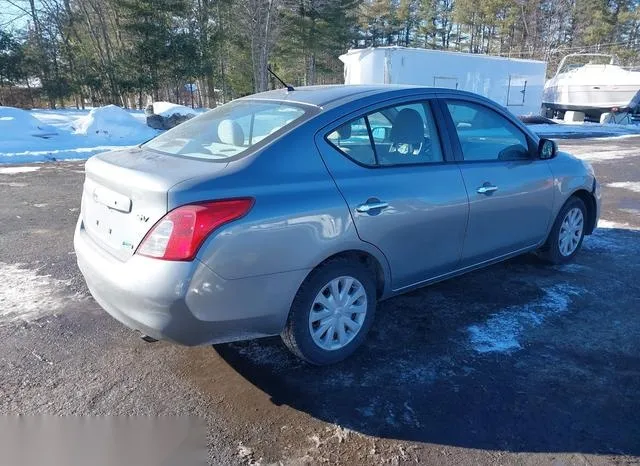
(333, 95)
(321, 96)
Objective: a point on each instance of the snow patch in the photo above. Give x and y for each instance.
(245, 452)
(14, 185)
(166, 109)
(572, 267)
(112, 122)
(14, 170)
(262, 353)
(630, 185)
(613, 238)
(634, 212)
(25, 295)
(612, 153)
(602, 223)
(501, 333)
(587, 129)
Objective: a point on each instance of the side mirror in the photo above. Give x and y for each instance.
(380, 133)
(547, 149)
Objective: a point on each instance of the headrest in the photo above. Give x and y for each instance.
(230, 132)
(344, 131)
(407, 128)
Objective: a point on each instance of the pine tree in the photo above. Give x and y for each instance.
(314, 33)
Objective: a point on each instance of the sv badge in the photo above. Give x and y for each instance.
(143, 218)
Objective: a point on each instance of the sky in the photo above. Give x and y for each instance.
(11, 15)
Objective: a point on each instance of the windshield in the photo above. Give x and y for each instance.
(229, 130)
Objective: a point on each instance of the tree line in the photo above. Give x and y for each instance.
(209, 51)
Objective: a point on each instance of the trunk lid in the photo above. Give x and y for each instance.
(125, 194)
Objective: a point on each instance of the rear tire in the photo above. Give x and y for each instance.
(332, 312)
(567, 234)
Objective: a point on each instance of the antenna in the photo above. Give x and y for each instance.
(289, 87)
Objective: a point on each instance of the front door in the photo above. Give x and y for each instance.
(390, 166)
(510, 189)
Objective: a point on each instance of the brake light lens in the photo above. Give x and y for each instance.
(179, 234)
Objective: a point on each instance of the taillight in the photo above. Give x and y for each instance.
(178, 235)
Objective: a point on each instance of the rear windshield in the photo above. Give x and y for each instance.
(228, 131)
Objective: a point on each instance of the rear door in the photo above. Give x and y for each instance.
(510, 188)
(405, 195)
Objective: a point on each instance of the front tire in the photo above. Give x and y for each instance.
(567, 234)
(332, 312)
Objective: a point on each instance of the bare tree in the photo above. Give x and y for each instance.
(260, 21)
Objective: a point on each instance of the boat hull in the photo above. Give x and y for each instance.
(591, 98)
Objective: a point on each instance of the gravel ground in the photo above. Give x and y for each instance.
(519, 363)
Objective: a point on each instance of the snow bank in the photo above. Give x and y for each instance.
(166, 109)
(16, 123)
(71, 134)
(112, 122)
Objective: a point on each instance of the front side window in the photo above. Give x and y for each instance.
(485, 134)
(228, 131)
(398, 135)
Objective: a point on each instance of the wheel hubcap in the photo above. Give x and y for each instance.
(337, 313)
(571, 231)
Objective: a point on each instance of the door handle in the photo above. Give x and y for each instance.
(369, 206)
(487, 189)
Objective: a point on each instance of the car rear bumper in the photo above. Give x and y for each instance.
(184, 302)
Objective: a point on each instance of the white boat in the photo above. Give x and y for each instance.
(592, 84)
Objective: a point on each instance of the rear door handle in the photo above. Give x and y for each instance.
(369, 206)
(487, 189)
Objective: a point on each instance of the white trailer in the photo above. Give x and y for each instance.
(514, 83)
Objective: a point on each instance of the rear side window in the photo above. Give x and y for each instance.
(485, 134)
(229, 131)
(352, 139)
(398, 135)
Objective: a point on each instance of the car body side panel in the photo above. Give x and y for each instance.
(570, 175)
(514, 217)
(422, 230)
(299, 218)
(185, 302)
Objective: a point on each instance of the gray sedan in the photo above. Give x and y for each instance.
(294, 213)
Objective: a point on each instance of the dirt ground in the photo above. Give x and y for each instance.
(519, 363)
